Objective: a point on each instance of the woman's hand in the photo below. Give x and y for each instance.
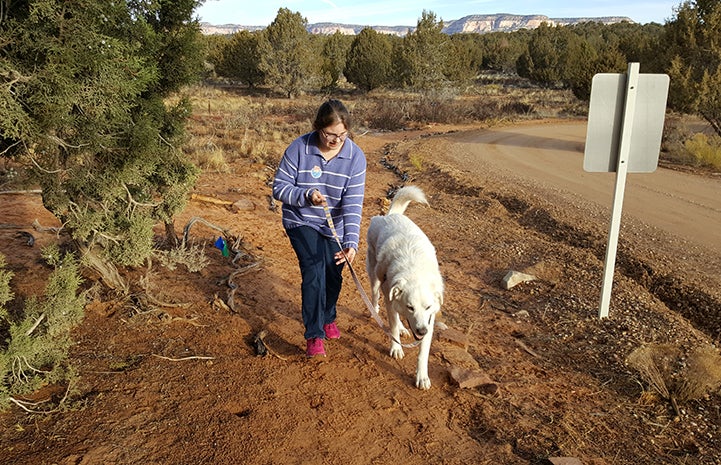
(349, 252)
(316, 198)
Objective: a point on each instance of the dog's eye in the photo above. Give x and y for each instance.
(410, 307)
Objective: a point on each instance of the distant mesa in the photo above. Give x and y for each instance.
(500, 22)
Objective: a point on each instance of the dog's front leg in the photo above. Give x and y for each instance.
(395, 325)
(423, 381)
(375, 290)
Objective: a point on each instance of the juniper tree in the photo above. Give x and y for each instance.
(335, 51)
(369, 60)
(422, 58)
(240, 59)
(286, 53)
(693, 46)
(84, 100)
(36, 341)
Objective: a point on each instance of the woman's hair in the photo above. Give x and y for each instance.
(330, 113)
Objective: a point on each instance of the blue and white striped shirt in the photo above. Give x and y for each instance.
(341, 180)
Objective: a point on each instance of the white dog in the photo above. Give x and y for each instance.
(402, 261)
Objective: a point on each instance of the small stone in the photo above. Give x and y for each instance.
(514, 278)
(243, 205)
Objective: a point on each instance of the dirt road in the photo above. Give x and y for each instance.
(543, 155)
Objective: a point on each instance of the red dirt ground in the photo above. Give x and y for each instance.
(182, 384)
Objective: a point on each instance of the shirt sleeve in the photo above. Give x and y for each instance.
(353, 202)
(284, 183)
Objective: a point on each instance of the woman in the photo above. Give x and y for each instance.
(323, 168)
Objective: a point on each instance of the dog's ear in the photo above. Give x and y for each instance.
(439, 297)
(396, 289)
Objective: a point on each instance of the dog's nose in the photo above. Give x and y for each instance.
(421, 331)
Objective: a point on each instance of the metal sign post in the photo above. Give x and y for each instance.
(625, 123)
(620, 189)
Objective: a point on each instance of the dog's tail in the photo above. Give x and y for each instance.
(403, 197)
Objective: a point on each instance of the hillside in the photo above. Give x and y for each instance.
(500, 22)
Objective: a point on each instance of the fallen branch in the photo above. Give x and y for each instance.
(262, 346)
(22, 192)
(192, 357)
(30, 331)
(23, 404)
(527, 349)
(233, 287)
(205, 198)
(196, 219)
(39, 228)
(190, 321)
(157, 302)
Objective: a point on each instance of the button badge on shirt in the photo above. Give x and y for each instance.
(316, 172)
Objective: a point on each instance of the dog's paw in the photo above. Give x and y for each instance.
(397, 352)
(423, 382)
(404, 332)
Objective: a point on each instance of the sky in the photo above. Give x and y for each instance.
(407, 12)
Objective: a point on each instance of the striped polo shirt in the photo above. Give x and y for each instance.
(341, 180)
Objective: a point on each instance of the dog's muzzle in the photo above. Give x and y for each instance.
(418, 334)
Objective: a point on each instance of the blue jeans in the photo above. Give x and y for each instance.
(321, 278)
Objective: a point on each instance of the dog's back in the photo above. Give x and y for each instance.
(394, 240)
(395, 224)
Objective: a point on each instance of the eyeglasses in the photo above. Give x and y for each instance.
(334, 137)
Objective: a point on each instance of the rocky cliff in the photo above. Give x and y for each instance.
(473, 23)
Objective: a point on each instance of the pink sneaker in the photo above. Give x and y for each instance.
(314, 346)
(331, 331)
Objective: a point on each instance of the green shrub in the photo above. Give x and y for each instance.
(35, 353)
(6, 295)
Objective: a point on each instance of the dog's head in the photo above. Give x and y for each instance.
(417, 303)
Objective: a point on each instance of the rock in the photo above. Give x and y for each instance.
(243, 205)
(458, 357)
(514, 278)
(454, 337)
(472, 378)
(522, 314)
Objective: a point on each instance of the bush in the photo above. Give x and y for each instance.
(677, 376)
(386, 114)
(705, 150)
(38, 339)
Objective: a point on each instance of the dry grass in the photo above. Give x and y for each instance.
(675, 375)
(689, 141)
(703, 374)
(232, 124)
(705, 150)
(227, 126)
